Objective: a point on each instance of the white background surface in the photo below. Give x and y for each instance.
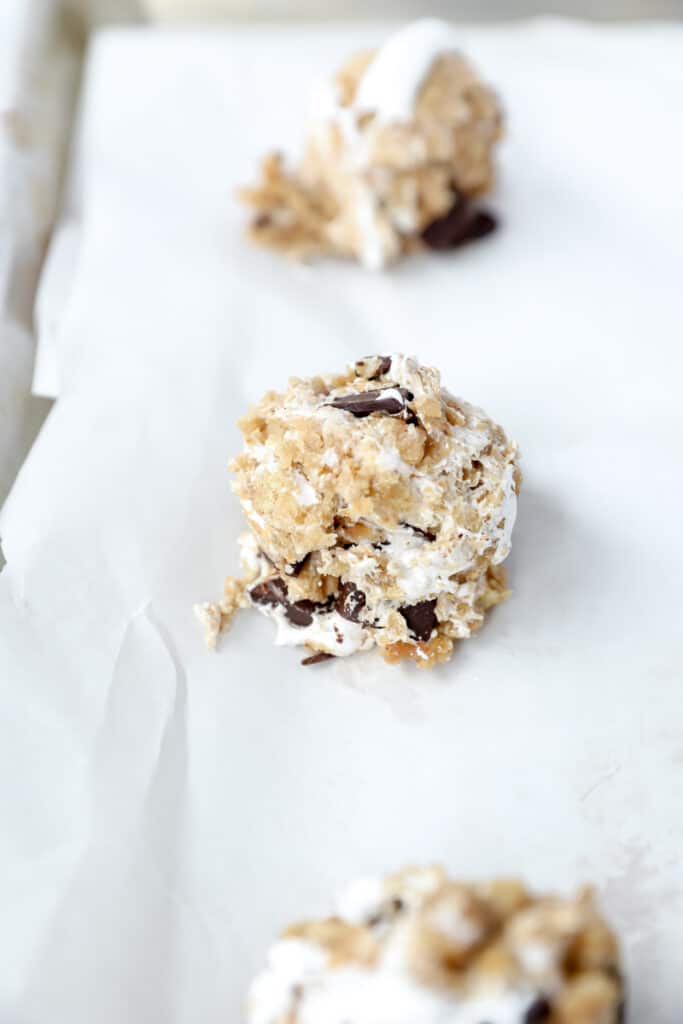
(166, 810)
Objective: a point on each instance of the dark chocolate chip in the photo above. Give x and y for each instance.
(421, 618)
(262, 221)
(384, 367)
(613, 972)
(390, 909)
(350, 602)
(427, 534)
(300, 613)
(366, 402)
(272, 591)
(315, 659)
(539, 1011)
(295, 568)
(461, 224)
(482, 224)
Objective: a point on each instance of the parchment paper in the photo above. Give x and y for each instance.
(165, 810)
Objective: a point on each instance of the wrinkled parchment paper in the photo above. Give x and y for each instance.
(165, 810)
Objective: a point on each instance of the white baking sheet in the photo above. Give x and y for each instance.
(164, 809)
(38, 71)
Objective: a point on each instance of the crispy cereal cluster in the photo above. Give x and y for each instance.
(419, 948)
(380, 508)
(399, 144)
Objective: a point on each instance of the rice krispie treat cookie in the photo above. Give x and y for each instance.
(380, 509)
(419, 948)
(399, 143)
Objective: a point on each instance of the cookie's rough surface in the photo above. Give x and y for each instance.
(380, 509)
(419, 948)
(398, 144)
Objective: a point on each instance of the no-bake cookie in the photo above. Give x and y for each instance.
(380, 508)
(399, 144)
(419, 948)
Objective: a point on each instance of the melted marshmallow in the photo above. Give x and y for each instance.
(291, 962)
(360, 900)
(305, 494)
(421, 570)
(384, 995)
(391, 997)
(508, 515)
(391, 85)
(389, 90)
(328, 632)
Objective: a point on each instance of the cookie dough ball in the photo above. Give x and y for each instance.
(418, 947)
(399, 143)
(380, 509)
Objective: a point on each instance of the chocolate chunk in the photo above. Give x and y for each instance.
(427, 534)
(614, 972)
(295, 568)
(384, 367)
(272, 591)
(482, 224)
(539, 1011)
(421, 618)
(387, 911)
(319, 656)
(350, 602)
(300, 613)
(463, 223)
(393, 401)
